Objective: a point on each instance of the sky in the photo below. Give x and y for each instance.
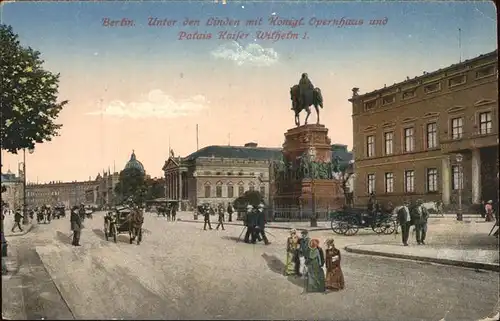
(136, 85)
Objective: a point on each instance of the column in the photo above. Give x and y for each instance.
(174, 186)
(445, 180)
(180, 186)
(167, 187)
(476, 176)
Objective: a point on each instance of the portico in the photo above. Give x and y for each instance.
(175, 179)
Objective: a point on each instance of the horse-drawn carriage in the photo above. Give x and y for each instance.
(348, 221)
(123, 220)
(59, 211)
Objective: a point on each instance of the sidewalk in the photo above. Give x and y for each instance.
(12, 289)
(322, 225)
(460, 244)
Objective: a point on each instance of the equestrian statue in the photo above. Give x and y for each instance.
(303, 96)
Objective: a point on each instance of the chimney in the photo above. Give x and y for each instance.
(251, 145)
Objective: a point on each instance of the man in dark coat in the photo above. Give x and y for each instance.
(220, 218)
(76, 225)
(404, 220)
(250, 223)
(81, 212)
(230, 211)
(17, 220)
(420, 221)
(206, 217)
(306, 90)
(261, 224)
(174, 212)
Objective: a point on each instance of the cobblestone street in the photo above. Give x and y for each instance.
(183, 272)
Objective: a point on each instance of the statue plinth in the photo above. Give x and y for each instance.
(313, 192)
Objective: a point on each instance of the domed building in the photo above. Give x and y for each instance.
(134, 163)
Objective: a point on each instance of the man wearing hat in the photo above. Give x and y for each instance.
(488, 208)
(261, 224)
(250, 235)
(206, 217)
(76, 225)
(420, 222)
(404, 221)
(17, 220)
(81, 212)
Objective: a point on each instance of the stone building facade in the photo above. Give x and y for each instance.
(52, 193)
(407, 136)
(13, 195)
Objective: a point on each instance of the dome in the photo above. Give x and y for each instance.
(134, 163)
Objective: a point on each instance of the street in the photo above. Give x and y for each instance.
(182, 272)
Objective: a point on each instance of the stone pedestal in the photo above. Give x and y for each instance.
(310, 195)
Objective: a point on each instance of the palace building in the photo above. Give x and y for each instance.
(220, 174)
(416, 139)
(52, 193)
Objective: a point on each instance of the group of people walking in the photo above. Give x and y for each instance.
(316, 280)
(413, 215)
(255, 224)
(207, 210)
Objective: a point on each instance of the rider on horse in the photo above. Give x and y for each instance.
(306, 90)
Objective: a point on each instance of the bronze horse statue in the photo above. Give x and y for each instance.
(316, 100)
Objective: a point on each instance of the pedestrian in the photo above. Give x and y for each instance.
(261, 224)
(404, 220)
(334, 276)
(482, 209)
(230, 211)
(81, 212)
(488, 209)
(315, 262)
(206, 217)
(76, 225)
(304, 245)
(174, 212)
(17, 220)
(421, 222)
(250, 225)
(221, 218)
(292, 262)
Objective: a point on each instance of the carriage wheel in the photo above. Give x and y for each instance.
(338, 227)
(351, 227)
(390, 227)
(379, 227)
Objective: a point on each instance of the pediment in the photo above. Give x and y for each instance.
(369, 128)
(389, 124)
(456, 109)
(483, 102)
(408, 119)
(431, 115)
(170, 164)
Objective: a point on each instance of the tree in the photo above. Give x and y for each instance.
(155, 189)
(132, 183)
(253, 198)
(28, 94)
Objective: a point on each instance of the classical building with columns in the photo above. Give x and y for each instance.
(407, 136)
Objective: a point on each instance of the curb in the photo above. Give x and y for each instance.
(267, 226)
(472, 265)
(26, 231)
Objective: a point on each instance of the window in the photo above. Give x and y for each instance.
(371, 183)
(431, 135)
(230, 191)
(432, 88)
(409, 181)
(370, 146)
(456, 176)
(458, 80)
(388, 99)
(457, 128)
(432, 180)
(241, 190)
(485, 123)
(485, 72)
(388, 143)
(409, 94)
(251, 187)
(409, 139)
(207, 191)
(262, 190)
(389, 182)
(370, 104)
(218, 191)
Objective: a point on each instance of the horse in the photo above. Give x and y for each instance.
(434, 207)
(316, 100)
(136, 219)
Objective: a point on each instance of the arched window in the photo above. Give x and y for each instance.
(251, 186)
(230, 190)
(241, 188)
(208, 190)
(218, 189)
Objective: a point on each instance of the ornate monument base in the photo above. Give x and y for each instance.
(307, 180)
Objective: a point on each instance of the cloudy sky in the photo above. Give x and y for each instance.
(136, 86)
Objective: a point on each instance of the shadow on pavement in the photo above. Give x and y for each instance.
(277, 266)
(233, 238)
(64, 238)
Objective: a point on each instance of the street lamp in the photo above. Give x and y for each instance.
(25, 209)
(459, 158)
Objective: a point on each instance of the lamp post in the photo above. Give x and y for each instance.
(25, 209)
(459, 159)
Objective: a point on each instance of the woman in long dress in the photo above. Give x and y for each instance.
(292, 244)
(334, 275)
(315, 273)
